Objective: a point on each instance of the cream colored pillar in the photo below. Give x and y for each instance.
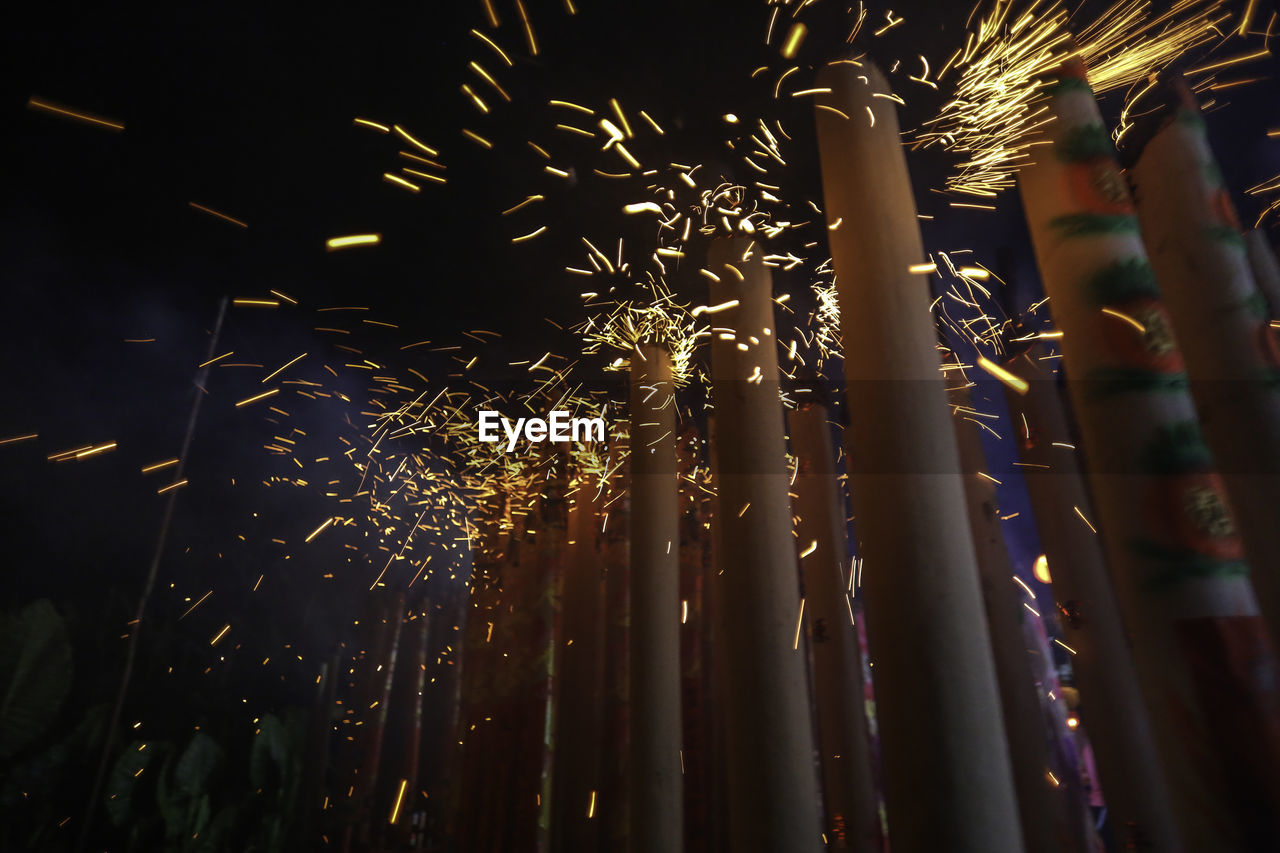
(774, 805)
(948, 784)
(657, 806)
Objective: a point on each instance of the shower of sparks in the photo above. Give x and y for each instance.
(997, 101)
(655, 317)
(409, 493)
(826, 322)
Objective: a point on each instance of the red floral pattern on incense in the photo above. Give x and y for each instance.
(1097, 186)
(1198, 502)
(1224, 210)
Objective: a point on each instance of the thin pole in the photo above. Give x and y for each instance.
(848, 789)
(717, 657)
(694, 563)
(552, 530)
(612, 803)
(1114, 715)
(131, 654)
(578, 722)
(948, 784)
(413, 748)
(657, 807)
(475, 726)
(774, 804)
(1047, 824)
(371, 820)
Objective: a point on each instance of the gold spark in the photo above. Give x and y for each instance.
(795, 37)
(353, 240)
(626, 155)
(1119, 315)
(477, 138)
(622, 118)
(435, 179)
(93, 451)
(530, 200)
(1231, 60)
(216, 358)
(320, 529)
(475, 99)
(1014, 381)
(1246, 19)
(528, 236)
(38, 104)
(644, 115)
(395, 810)
(529, 36)
(484, 38)
(213, 212)
(844, 115)
(476, 67)
(799, 623)
(401, 182)
(412, 140)
(569, 105)
(715, 309)
(156, 466)
(264, 395)
(1085, 520)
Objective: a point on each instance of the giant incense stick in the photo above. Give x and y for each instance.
(947, 784)
(1202, 653)
(1115, 717)
(657, 824)
(852, 806)
(773, 791)
(1220, 318)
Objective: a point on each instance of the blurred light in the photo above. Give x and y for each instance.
(1041, 570)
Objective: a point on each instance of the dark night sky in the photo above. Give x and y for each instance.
(249, 111)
